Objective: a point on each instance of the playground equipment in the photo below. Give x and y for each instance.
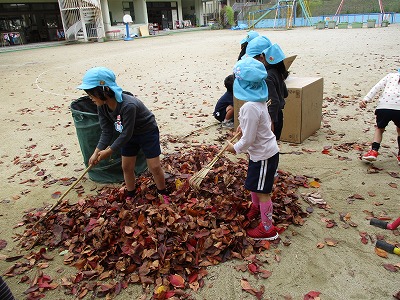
(339, 9)
(285, 12)
(127, 19)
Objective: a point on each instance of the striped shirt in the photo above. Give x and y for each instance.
(5, 293)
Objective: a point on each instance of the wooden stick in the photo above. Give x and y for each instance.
(45, 216)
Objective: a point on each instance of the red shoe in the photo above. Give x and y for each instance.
(371, 155)
(253, 212)
(259, 233)
(398, 160)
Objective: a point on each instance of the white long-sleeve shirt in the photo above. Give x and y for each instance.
(257, 137)
(390, 98)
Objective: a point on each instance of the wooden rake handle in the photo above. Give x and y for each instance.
(45, 216)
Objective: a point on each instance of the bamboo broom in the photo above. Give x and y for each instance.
(197, 178)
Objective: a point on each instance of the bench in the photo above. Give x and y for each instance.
(114, 33)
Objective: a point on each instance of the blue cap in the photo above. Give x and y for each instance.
(249, 84)
(101, 76)
(257, 45)
(250, 35)
(274, 54)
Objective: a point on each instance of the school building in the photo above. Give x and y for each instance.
(32, 21)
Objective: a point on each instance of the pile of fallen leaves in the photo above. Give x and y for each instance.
(113, 242)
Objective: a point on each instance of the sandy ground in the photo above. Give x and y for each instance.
(180, 77)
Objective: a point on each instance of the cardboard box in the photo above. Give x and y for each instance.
(237, 104)
(302, 114)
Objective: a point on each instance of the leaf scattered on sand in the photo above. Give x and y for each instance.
(380, 252)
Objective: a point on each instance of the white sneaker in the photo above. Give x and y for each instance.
(227, 124)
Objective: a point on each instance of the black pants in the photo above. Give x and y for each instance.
(278, 126)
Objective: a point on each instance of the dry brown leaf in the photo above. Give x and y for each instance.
(381, 253)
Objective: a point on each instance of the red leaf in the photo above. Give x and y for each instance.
(202, 233)
(56, 195)
(252, 268)
(325, 151)
(177, 281)
(92, 224)
(193, 277)
(3, 244)
(390, 267)
(311, 295)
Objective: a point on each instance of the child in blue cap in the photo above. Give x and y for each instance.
(244, 42)
(388, 109)
(256, 47)
(223, 111)
(277, 90)
(132, 120)
(258, 141)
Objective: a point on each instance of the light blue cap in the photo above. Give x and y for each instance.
(249, 84)
(250, 35)
(274, 54)
(257, 45)
(101, 76)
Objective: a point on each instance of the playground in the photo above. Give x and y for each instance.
(180, 78)
(287, 14)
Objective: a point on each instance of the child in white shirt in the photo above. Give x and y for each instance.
(388, 109)
(258, 141)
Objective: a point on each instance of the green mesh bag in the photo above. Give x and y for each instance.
(87, 124)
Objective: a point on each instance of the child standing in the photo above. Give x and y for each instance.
(388, 109)
(277, 90)
(223, 111)
(258, 141)
(135, 124)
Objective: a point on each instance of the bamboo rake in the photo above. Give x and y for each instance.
(197, 178)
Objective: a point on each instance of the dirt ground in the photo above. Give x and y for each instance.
(180, 78)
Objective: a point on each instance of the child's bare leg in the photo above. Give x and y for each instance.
(155, 169)
(229, 112)
(378, 135)
(128, 167)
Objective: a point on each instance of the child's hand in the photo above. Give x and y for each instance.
(103, 154)
(230, 148)
(93, 160)
(363, 104)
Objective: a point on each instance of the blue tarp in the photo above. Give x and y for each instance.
(240, 27)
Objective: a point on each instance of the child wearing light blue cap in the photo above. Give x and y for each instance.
(243, 43)
(256, 47)
(258, 141)
(388, 109)
(277, 89)
(127, 116)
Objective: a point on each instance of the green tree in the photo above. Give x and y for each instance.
(230, 15)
